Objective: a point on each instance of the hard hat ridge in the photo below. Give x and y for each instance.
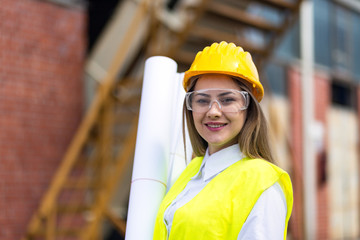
(226, 58)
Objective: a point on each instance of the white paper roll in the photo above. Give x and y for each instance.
(153, 146)
(178, 160)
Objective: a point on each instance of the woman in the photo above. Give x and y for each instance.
(230, 190)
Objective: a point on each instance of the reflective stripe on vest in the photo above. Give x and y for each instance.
(220, 209)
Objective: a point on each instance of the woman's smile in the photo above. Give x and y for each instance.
(215, 126)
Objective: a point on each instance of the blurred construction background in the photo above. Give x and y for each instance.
(70, 88)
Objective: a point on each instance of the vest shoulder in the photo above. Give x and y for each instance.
(260, 164)
(257, 169)
(264, 171)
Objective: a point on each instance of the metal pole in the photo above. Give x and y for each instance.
(307, 93)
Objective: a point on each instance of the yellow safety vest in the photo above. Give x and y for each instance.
(220, 209)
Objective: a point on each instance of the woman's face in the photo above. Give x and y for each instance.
(220, 129)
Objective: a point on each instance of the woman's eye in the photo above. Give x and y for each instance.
(227, 100)
(202, 101)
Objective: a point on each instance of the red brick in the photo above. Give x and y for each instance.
(322, 103)
(296, 220)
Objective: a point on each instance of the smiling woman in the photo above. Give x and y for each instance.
(218, 127)
(231, 190)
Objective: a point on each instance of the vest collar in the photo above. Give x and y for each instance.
(217, 162)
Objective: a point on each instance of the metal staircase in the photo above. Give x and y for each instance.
(256, 25)
(77, 202)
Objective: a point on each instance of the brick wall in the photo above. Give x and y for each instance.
(322, 104)
(42, 49)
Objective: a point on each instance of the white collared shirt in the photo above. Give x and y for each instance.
(267, 218)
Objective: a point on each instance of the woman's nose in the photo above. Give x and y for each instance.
(214, 109)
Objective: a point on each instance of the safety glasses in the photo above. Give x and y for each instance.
(227, 100)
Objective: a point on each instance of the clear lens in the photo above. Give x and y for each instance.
(227, 100)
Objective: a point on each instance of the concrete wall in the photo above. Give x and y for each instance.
(42, 50)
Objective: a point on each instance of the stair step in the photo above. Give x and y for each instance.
(127, 94)
(73, 208)
(212, 34)
(80, 183)
(241, 16)
(125, 118)
(280, 4)
(63, 232)
(68, 232)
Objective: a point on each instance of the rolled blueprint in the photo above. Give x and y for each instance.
(178, 157)
(159, 130)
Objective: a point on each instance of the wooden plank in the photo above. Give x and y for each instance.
(241, 15)
(105, 156)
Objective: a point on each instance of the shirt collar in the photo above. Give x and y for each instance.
(217, 162)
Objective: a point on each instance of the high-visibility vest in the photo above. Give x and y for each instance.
(220, 209)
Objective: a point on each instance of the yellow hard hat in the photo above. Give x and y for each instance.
(226, 58)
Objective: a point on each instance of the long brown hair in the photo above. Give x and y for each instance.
(253, 138)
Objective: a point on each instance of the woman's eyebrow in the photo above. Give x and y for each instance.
(225, 93)
(202, 94)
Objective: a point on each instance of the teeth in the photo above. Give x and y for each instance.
(215, 125)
